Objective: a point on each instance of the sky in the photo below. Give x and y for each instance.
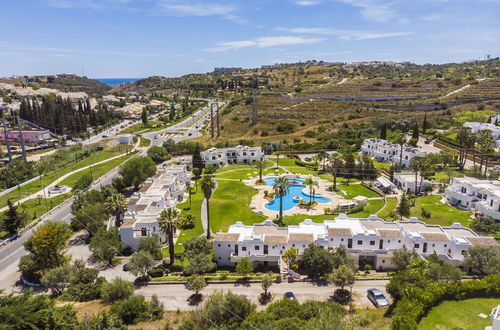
(141, 38)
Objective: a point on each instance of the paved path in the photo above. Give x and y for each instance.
(175, 296)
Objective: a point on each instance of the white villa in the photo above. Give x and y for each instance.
(236, 155)
(406, 182)
(477, 128)
(388, 152)
(480, 195)
(371, 240)
(158, 193)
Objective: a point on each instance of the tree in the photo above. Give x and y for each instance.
(317, 261)
(57, 279)
(136, 309)
(197, 160)
(485, 225)
(168, 224)
(310, 183)
(266, 283)
(157, 154)
(13, 220)
(116, 204)
(487, 146)
(466, 140)
(199, 264)
(342, 277)
(337, 163)
(484, 259)
(90, 217)
(383, 131)
(117, 289)
(137, 170)
(445, 271)
(244, 266)
(152, 244)
(83, 182)
(197, 246)
(207, 186)
(141, 263)
(47, 246)
(404, 206)
(418, 164)
(196, 283)
(290, 257)
(144, 116)
(415, 134)
(280, 187)
(401, 140)
(196, 175)
(260, 165)
(425, 124)
(404, 257)
(105, 245)
(341, 257)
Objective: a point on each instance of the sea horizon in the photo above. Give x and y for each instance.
(116, 81)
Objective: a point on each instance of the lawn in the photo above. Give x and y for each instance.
(244, 174)
(373, 207)
(382, 166)
(441, 214)
(352, 190)
(197, 200)
(463, 314)
(285, 161)
(143, 127)
(230, 203)
(301, 170)
(37, 185)
(144, 142)
(241, 166)
(391, 204)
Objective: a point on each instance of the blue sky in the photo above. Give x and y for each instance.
(140, 38)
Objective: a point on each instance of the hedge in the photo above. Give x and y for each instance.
(299, 162)
(417, 301)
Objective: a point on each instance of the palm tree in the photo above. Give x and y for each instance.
(190, 192)
(196, 172)
(310, 183)
(168, 223)
(116, 204)
(322, 157)
(401, 140)
(280, 187)
(417, 164)
(261, 165)
(337, 162)
(207, 185)
(486, 146)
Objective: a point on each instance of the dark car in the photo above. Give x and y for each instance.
(289, 295)
(427, 141)
(377, 298)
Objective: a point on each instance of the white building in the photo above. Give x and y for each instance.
(476, 194)
(158, 193)
(236, 155)
(477, 128)
(388, 152)
(406, 182)
(371, 240)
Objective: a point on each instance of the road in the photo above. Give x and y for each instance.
(175, 296)
(13, 251)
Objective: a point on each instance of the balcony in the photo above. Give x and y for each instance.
(486, 210)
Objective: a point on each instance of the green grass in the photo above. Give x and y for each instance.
(36, 186)
(284, 161)
(230, 203)
(244, 174)
(353, 190)
(197, 200)
(372, 208)
(441, 214)
(144, 142)
(382, 166)
(301, 170)
(463, 314)
(391, 205)
(37, 207)
(148, 127)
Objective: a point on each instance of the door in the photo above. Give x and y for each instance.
(349, 243)
(236, 249)
(265, 249)
(425, 248)
(381, 244)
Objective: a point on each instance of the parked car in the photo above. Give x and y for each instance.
(289, 295)
(427, 141)
(377, 298)
(104, 136)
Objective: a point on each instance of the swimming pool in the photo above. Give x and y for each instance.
(295, 189)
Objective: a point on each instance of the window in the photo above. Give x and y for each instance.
(388, 241)
(331, 239)
(383, 261)
(463, 252)
(445, 245)
(243, 248)
(360, 242)
(372, 242)
(433, 245)
(417, 246)
(340, 239)
(303, 246)
(218, 245)
(399, 241)
(219, 258)
(257, 247)
(229, 245)
(293, 245)
(144, 232)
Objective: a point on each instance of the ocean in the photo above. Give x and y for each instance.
(116, 81)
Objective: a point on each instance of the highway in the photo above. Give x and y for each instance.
(11, 253)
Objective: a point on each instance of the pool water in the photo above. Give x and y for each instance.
(295, 189)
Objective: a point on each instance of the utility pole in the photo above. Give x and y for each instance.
(7, 144)
(218, 120)
(212, 119)
(23, 147)
(254, 109)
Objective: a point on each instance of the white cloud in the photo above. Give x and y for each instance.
(431, 18)
(263, 42)
(346, 34)
(199, 9)
(307, 2)
(372, 10)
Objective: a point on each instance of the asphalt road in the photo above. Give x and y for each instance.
(175, 296)
(11, 253)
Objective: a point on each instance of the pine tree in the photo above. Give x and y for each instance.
(383, 131)
(416, 133)
(144, 116)
(404, 206)
(13, 219)
(197, 160)
(425, 124)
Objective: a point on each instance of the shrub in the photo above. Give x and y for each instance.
(118, 289)
(132, 310)
(157, 272)
(83, 182)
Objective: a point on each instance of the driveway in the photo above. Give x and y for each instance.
(175, 296)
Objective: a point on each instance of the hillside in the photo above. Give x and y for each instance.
(62, 82)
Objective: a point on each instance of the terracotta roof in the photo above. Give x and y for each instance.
(225, 237)
(484, 241)
(141, 207)
(133, 201)
(145, 187)
(339, 232)
(435, 237)
(127, 223)
(301, 237)
(390, 233)
(274, 230)
(275, 239)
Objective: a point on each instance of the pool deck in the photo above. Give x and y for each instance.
(258, 203)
